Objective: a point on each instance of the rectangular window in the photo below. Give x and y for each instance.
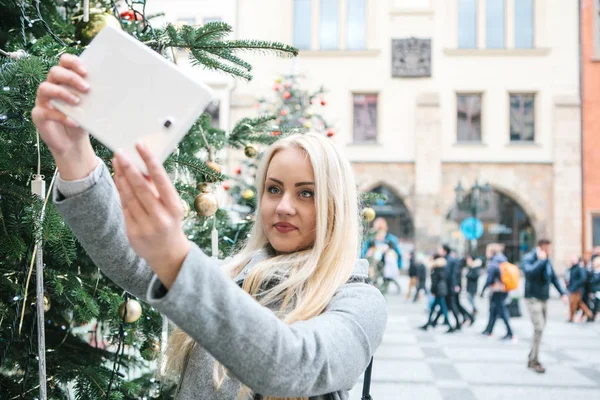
(212, 19)
(468, 118)
(357, 25)
(302, 24)
(595, 230)
(467, 24)
(524, 24)
(522, 117)
(494, 24)
(329, 28)
(597, 27)
(365, 117)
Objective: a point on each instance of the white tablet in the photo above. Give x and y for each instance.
(136, 95)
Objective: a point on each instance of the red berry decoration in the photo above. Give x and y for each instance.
(131, 15)
(287, 95)
(283, 113)
(275, 133)
(323, 102)
(238, 170)
(330, 132)
(276, 87)
(226, 185)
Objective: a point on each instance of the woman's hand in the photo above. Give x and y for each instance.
(153, 214)
(69, 144)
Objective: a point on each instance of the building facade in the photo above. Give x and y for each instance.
(427, 93)
(590, 65)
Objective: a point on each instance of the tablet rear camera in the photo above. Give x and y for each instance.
(167, 123)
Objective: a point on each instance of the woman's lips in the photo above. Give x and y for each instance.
(285, 227)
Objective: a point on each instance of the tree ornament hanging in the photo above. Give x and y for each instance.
(226, 185)
(283, 113)
(206, 203)
(330, 132)
(323, 102)
(131, 15)
(368, 214)
(308, 124)
(134, 310)
(276, 133)
(186, 208)
(287, 95)
(248, 194)
(238, 170)
(251, 151)
(86, 31)
(214, 166)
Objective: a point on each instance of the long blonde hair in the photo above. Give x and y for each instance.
(311, 276)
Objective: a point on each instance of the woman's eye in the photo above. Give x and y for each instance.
(307, 194)
(273, 190)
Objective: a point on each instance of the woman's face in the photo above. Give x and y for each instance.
(287, 205)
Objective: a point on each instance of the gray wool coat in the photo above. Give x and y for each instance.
(324, 355)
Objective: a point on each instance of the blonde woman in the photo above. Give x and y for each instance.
(290, 317)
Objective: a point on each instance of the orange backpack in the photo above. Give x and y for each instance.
(510, 275)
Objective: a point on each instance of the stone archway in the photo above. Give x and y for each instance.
(505, 221)
(395, 212)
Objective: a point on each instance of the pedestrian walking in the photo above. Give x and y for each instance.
(474, 267)
(594, 294)
(413, 274)
(539, 274)
(439, 289)
(577, 281)
(422, 276)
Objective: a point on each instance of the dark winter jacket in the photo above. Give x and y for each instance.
(439, 286)
(473, 274)
(538, 276)
(594, 282)
(452, 273)
(577, 278)
(493, 270)
(412, 267)
(422, 274)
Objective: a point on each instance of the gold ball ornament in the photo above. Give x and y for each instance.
(134, 310)
(368, 214)
(206, 204)
(308, 124)
(47, 303)
(248, 194)
(251, 151)
(86, 31)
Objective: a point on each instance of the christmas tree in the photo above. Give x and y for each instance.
(98, 343)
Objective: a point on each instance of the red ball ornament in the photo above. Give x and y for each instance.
(275, 133)
(323, 102)
(238, 170)
(276, 87)
(131, 15)
(287, 95)
(330, 132)
(283, 113)
(226, 185)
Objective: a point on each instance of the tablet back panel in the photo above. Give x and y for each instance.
(136, 95)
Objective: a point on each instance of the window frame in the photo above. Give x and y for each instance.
(590, 215)
(596, 28)
(347, 26)
(482, 119)
(377, 120)
(338, 23)
(535, 115)
(458, 46)
(310, 26)
(533, 27)
(504, 25)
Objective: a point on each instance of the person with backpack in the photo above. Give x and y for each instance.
(290, 316)
(539, 274)
(578, 279)
(498, 290)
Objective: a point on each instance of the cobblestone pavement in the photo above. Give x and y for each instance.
(433, 365)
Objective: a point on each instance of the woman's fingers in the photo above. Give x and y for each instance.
(72, 62)
(159, 176)
(63, 76)
(48, 91)
(136, 187)
(40, 115)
